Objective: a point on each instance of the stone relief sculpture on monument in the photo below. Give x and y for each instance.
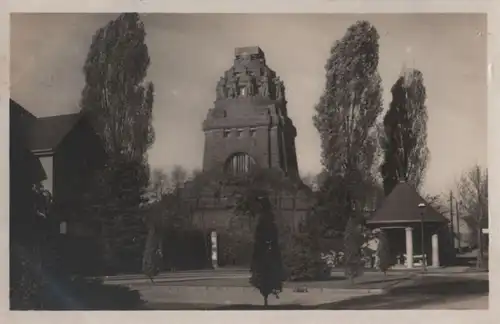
(247, 79)
(221, 89)
(279, 87)
(264, 84)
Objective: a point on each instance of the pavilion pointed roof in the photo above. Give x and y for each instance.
(401, 206)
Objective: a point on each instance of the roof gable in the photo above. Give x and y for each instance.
(401, 206)
(48, 132)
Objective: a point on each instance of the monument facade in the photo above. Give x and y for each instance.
(248, 127)
(249, 124)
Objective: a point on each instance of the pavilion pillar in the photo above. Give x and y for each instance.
(435, 250)
(409, 247)
(213, 237)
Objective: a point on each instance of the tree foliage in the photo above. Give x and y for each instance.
(353, 258)
(266, 269)
(473, 193)
(302, 258)
(151, 261)
(405, 133)
(115, 95)
(119, 104)
(32, 256)
(383, 252)
(346, 121)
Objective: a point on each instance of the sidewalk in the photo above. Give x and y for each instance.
(223, 274)
(176, 274)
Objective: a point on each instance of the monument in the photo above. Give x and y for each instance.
(247, 127)
(249, 124)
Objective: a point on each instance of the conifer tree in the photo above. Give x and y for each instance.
(266, 268)
(383, 253)
(353, 239)
(405, 133)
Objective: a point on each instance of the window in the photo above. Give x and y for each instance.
(252, 132)
(225, 133)
(239, 163)
(63, 228)
(239, 132)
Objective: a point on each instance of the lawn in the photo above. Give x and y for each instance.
(409, 294)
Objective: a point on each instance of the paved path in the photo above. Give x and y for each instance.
(213, 289)
(212, 297)
(472, 302)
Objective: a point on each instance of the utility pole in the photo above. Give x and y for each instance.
(458, 224)
(452, 231)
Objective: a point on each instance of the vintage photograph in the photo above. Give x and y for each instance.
(248, 161)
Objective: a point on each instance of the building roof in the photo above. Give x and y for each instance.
(48, 132)
(401, 206)
(22, 161)
(45, 133)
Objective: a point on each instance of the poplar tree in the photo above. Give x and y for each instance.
(119, 104)
(346, 118)
(405, 133)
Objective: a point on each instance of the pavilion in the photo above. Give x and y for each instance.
(403, 216)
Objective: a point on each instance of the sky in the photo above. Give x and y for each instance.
(190, 52)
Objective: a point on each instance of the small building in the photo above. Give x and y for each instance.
(415, 230)
(25, 171)
(68, 150)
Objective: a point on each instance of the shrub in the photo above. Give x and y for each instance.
(303, 258)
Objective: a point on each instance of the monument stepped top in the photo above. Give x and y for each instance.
(249, 50)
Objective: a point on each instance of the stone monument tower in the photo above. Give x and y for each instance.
(249, 124)
(247, 127)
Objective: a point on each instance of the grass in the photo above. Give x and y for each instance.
(84, 294)
(412, 294)
(338, 281)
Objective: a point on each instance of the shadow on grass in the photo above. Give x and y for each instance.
(379, 281)
(84, 294)
(421, 292)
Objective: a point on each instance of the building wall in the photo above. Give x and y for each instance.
(214, 214)
(48, 166)
(242, 125)
(77, 159)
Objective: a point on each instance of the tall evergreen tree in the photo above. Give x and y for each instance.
(405, 125)
(383, 252)
(119, 104)
(266, 268)
(346, 118)
(353, 239)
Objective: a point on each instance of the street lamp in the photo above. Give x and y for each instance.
(421, 207)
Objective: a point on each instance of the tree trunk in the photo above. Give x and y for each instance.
(266, 304)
